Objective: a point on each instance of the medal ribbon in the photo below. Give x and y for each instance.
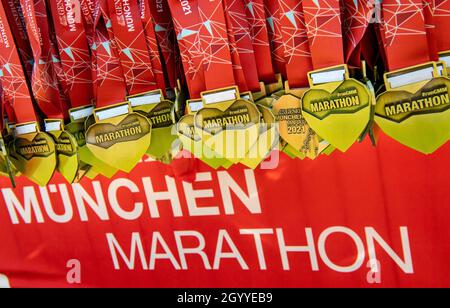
(238, 26)
(14, 85)
(295, 41)
(110, 83)
(186, 20)
(403, 33)
(369, 47)
(152, 44)
(356, 15)
(165, 37)
(7, 111)
(129, 36)
(273, 13)
(73, 51)
(58, 69)
(16, 19)
(323, 25)
(260, 40)
(88, 8)
(238, 70)
(44, 81)
(437, 18)
(215, 45)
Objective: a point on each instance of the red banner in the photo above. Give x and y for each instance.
(367, 218)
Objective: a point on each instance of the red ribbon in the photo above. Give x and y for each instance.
(273, 17)
(238, 70)
(14, 85)
(260, 39)
(403, 33)
(16, 19)
(239, 27)
(215, 46)
(110, 82)
(88, 8)
(295, 41)
(356, 16)
(165, 37)
(130, 39)
(73, 50)
(437, 19)
(44, 81)
(324, 28)
(152, 44)
(186, 20)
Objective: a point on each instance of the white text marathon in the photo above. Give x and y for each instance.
(219, 223)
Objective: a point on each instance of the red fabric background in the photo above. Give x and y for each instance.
(386, 187)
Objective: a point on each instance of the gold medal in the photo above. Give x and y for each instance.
(76, 127)
(119, 136)
(336, 106)
(417, 114)
(228, 124)
(66, 149)
(161, 115)
(301, 140)
(33, 153)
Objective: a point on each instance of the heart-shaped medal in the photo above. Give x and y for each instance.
(192, 143)
(419, 120)
(77, 130)
(293, 127)
(268, 139)
(161, 114)
(66, 149)
(67, 154)
(231, 132)
(161, 117)
(120, 141)
(34, 155)
(338, 111)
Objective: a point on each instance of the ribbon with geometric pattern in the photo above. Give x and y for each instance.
(273, 17)
(437, 19)
(88, 9)
(152, 45)
(187, 23)
(14, 84)
(324, 30)
(129, 36)
(165, 37)
(403, 34)
(110, 82)
(16, 20)
(356, 15)
(238, 69)
(260, 39)
(74, 51)
(217, 62)
(295, 43)
(44, 83)
(239, 28)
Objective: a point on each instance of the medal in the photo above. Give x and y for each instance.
(33, 152)
(114, 127)
(336, 106)
(414, 109)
